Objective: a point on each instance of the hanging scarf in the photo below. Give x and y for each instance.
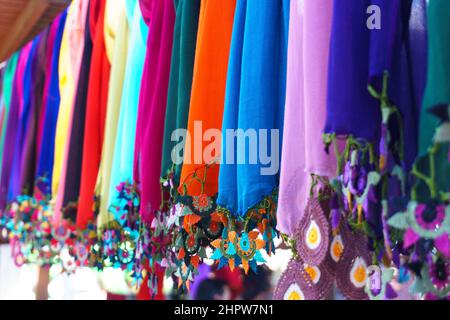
(437, 93)
(75, 152)
(95, 114)
(208, 94)
(53, 28)
(116, 35)
(152, 106)
(13, 128)
(30, 153)
(255, 100)
(24, 91)
(305, 111)
(435, 116)
(70, 60)
(180, 84)
(122, 167)
(363, 58)
(45, 162)
(8, 81)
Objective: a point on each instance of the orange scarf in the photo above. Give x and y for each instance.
(208, 92)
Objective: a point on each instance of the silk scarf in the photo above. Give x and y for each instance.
(180, 84)
(95, 114)
(255, 99)
(207, 95)
(305, 110)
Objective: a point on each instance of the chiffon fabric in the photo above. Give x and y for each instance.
(116, 35)
(435, 114)
(305, 109)
(438, 84)
(360, 56)
(7, 90)
(26, 122)
(30, 152)
(122, 166)
(52, 32)
(208, 94)
(72, 178)
(255, 99)
(95, 114)
(22, 114)
(180, 84)
(72, 48)
(46, 160)
(12, 131)
(160, 16)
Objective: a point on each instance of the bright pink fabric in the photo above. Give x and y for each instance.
(160, 15)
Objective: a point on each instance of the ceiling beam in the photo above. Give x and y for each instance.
(22, 26)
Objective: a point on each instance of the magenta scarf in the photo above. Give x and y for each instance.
(160, 16)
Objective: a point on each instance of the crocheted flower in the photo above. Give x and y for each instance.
(201, 205)
(294, 293)
(185, 275)
(312, 234)
(351, 270)
(248, 246)
(440, 274)
(295, 283)
(313, 273)
(358, 272)
(429, 222)
(202, 202)
(359, 192)
(82, 254)
(191, 242)
(125, 253)
(377, 284)
(68, 262)
(430, 216)
(212, 226)
(225, 249)
(336, 248)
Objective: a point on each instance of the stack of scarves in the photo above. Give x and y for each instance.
(96, 104)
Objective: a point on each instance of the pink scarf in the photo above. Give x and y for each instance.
(152, 104)
(305, 111)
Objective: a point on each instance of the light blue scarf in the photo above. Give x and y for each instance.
(255, 97)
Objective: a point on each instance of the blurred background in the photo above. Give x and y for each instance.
(29, 282)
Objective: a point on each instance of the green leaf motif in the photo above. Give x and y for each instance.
(399, 221)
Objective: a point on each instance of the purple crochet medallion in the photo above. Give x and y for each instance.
(351, 270)
(295, 283)
(312, 234)
(322, 279)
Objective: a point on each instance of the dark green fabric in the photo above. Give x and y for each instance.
(438, 83)
(8, 79)
(437, 95)
(181, 73)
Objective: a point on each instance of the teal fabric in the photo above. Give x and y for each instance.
(8, 78)
(180, 83)
(437, 100)
(122, 167)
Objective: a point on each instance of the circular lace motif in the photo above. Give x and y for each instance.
(295, 283)
(312, 234)
(322, 279)
(351, 270)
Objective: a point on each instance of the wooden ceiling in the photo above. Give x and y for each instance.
(22, 20)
